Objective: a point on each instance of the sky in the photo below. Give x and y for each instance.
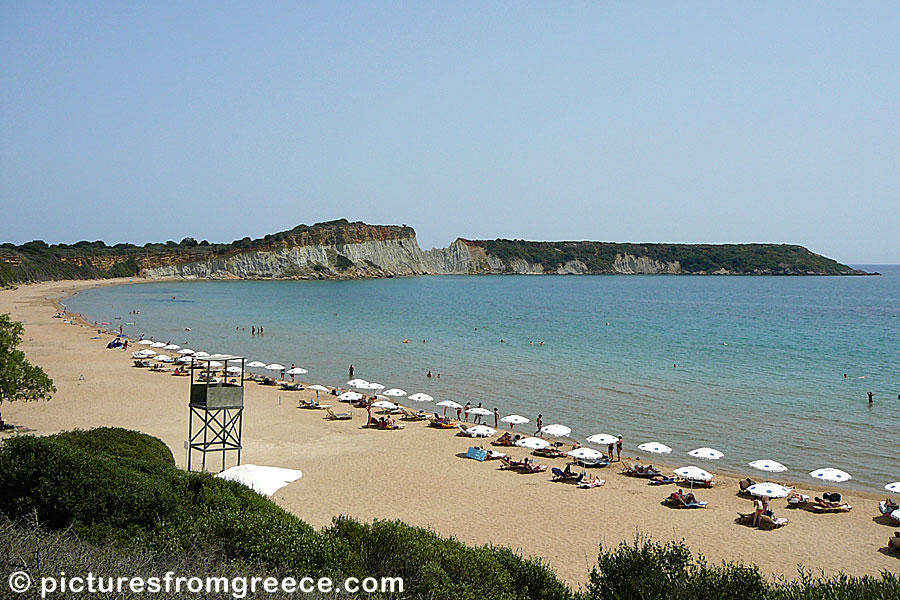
(642, 122)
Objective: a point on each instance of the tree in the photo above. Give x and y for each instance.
(19, 379)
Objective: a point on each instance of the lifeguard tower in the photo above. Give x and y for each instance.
(217, 407)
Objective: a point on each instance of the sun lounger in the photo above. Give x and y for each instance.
(586, 485)
(767, 522)
(662, 480)
(291, 387)
(494, 455)
(333, 416)
(549, 453)
(414, 416)
(627, 468)
(818, 508)
(797, 500)
(476, 454)
(588, 464)
(314, 404)
(887, 509)
(560, 475)
(533, 468)
(675, 500)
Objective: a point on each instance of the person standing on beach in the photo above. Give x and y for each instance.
(350, 372)
(477, 419)
(292, 375)
(540, 423)
(609, 452)
(497, 417)
(458, 414)
(619, 449)
(466, 410)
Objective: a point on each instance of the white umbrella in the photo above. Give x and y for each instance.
(256, 364)
(448, 404)
(420, 397)
(171, 347)
(772, 490)
(273, 367)
(829, 474)
(384, 404)
(586, 454)
(320, 388)
(265, 480)
(185, 351)
(350, 396)
(147, 352)
(555, 430)
(163, 357)
(394, 392)
(357, 382)
(234, 370)
(184, 360)
(654, 448)
(693, 473)
(480, 431)
(533, 443)
(515, 420)
(769, 466)
(893, 487)
(603, 439)
(371, 386)
(479, 411)
(201, 354)
(214, 364)
(707, 453)
(144, 342)
(297, 371)
(158, 345)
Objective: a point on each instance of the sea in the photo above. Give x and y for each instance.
(757, 367)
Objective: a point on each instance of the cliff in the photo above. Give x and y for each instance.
(344, 250)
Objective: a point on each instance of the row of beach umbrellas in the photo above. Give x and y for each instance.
(689, 472)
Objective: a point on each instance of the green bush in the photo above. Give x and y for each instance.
(120, 443)
(648, 570)
(119, 486)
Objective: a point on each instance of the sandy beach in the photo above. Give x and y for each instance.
(418, 475)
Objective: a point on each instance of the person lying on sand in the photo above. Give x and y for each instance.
(745, 483)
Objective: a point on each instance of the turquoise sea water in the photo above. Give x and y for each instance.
(760, 360)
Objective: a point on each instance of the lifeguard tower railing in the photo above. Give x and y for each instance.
(217, 407)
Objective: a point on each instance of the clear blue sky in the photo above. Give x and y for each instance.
(676, 122)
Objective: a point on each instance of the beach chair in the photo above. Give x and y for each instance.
(291, 387)
(494, 455)
(531, 467)
(767, 522)
(628, 468)
(560, 475)
(589, 464)
(508, 463)
(662, 480)
(409, 415)
(549, 453)
(333, 416)
(476, 454)
(440, 423)
(842, 508)
(586, 485)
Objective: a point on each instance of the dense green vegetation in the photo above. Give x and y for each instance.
(648, 570)
(19, 379)
(112, 501)
(119, 486)
(599, 257)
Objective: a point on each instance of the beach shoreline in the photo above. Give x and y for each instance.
(356, 472)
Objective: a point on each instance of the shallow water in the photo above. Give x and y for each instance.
(760, 360)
